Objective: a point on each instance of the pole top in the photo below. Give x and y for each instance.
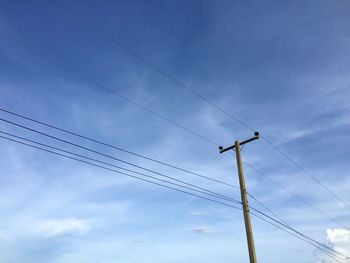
(256, 136)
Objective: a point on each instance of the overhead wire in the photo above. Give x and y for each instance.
(93, 140)
(332, 255)
(303, 236)
(296, 231)
(115, 147)
(119, 172)
(92, 159)
(296, 196)
(307, 173)
(193, 187)
(152, 65)
(130, 152)
(200, 96)
(105, 155)
(99, 85)
(266, 208)
(247, 164)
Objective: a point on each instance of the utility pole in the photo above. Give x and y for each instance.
(248, 225)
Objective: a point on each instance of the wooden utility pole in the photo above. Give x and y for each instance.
(247, 222)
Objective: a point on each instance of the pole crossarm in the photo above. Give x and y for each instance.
(222, 149)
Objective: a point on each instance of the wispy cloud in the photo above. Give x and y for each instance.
(202, 230)
(57, 227)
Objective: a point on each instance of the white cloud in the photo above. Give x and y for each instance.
(338, 235)
(52, 228)
(203, 230)
(339, 240)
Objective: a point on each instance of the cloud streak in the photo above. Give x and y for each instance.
(58, 227)
(203, 230)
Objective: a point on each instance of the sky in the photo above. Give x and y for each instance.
(281, 67)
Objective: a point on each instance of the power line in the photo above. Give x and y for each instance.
(132, 171)
(283, 221)
(295, 195)
(303, 236)
(155, 67)
(247, 164)
(296, 231)
(333, 255)
(195, 93)
(306, 172)
(127, 151)
(102, 154)
(116, 148)
(266, 208)
(99, 85)
(119, 172)
(202, 190)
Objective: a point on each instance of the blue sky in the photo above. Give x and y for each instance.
(280, 66)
